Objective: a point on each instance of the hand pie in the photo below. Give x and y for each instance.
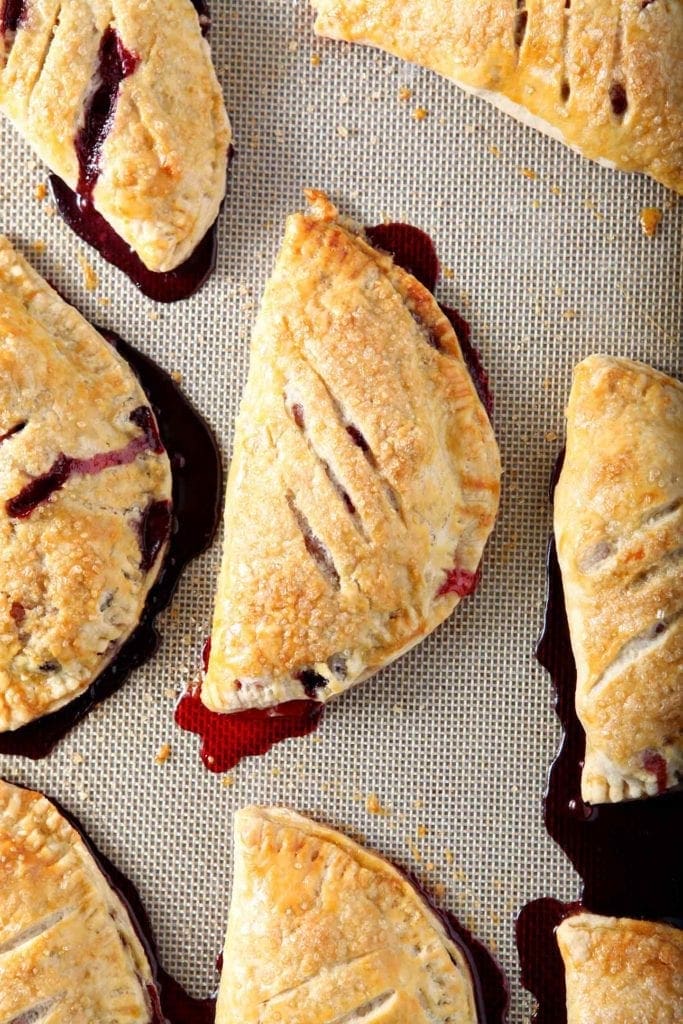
(69, 953)
(85, 498)
(604, 77)
(121, 100)
(619, 971)
(321, 929)
(619, 532)
(365, 477)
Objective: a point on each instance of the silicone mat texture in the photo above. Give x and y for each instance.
(543, 252)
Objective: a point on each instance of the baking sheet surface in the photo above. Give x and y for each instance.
(544, 254)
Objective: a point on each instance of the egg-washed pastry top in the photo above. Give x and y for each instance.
(364, 481)
(69, 953)
(82, 470)
(620, 971)
(619, 533)
(603, 76)
(321, 929)
(121, 101)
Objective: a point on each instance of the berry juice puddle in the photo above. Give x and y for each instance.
(191, 523)
(226, 739)
(626, 853)
(116, 64)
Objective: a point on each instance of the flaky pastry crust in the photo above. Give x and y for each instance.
(72, 580)
(603, 76)
(619, 533)
(320, 929)
(620, 971)
(69, 953)
(163, 162)
(365, 469)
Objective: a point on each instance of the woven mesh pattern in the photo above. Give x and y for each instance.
(545, 256)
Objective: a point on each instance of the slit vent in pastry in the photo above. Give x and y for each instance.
(121, 101)
(322, 930)
(619, 532)
(365, 475)
(69, 953)
(83, 472)
(619, 971)
(603, 76)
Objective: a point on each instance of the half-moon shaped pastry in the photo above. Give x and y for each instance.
(619, 532)
(69, 953)
(619, 971)
(364, 481)
(85, 498)
(121, 101)
(321, 930)
(604, 77)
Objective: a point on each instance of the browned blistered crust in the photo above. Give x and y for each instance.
(164, 160)
(604, 76)
(67, 945)
(321, 928)
(620, 971)
(335, 550)
(619, 532)
(71, 584)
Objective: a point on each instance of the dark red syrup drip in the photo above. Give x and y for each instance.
(42, 487)
(542, 971)
(170, 1003)
(116, 63)
(197, 490)
(12, 15)
(491, 990)
(172, 286)
(414, 250)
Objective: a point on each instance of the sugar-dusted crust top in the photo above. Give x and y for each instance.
(365, 470)
(604, 76)
(619, 532)
(68, 951)
(320, 928)
(620, 971)
(164, 158)
(72, 580)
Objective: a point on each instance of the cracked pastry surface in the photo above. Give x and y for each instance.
(365, 477)
(321, 929)
(81, 465)
(619, 532)
(120, 99)
(620, 971)
(68, 950)
(603, 76)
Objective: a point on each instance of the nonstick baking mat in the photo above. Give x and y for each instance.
(544, 254)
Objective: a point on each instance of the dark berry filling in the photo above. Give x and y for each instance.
(655, 763)
(42, 487)
(12, 15)
(311, 682)
(460, 582)
(154, 529)
(542, 971)
(12, 431)
(116, 64)
(411, 249)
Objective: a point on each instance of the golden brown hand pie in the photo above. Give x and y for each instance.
(82, 469)
(322, 930)
(619, 532)
(121, 100)
(619, 971)
(365, 477)
(603, 76)
(69, 953)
